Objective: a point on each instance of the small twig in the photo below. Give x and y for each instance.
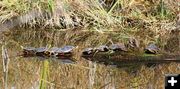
(105, 85)
(5, 65)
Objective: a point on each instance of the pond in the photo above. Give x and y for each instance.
(36, 72)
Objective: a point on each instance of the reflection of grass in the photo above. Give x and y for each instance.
(50, 5)
(149, 55)
(127, 18)
(23, 73)
(44, 75)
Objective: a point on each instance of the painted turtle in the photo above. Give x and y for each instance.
(64, 52)
(118, 47)
(29, 51)
(151, 49)
(67, 49)
(102, 48)
(88, 51)
(41, 51)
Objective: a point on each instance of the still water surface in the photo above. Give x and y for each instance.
(26, 73)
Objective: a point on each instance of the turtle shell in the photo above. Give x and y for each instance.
(29, 51)
(102, 48)
(88, 51)
(151, 49)
(66, 49)
(53, 49)
(118, 47)
(29, 48)
(65, 52)
(41, 51)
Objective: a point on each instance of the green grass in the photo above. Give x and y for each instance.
(150, 55)
(44, 75)
(51, 5)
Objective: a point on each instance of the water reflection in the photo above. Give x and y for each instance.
(82, 74)
(64, 61)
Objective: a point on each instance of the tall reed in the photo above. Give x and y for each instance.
(6, 60)
(44, 75)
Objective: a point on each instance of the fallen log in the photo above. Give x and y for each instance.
(130, 58)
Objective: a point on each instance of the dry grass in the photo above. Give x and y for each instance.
(73, 13)
(147, 19)
(88, 23)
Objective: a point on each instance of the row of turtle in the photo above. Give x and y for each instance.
(120, 47)
(104, 48)
(67, 51)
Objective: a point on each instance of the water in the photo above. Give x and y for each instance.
(83, 74)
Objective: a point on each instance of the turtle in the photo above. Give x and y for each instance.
(52, 51)
(64, 52)
(29, 51)
(88, 51)
(151, 49)
(67, 49)
(102, 48)
(118, 47)
(41, 51)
